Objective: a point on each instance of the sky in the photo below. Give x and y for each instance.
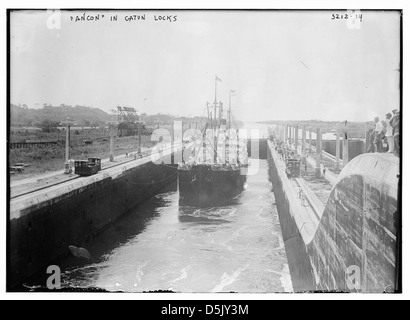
(283, 65)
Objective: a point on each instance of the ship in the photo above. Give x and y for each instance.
(216, 174)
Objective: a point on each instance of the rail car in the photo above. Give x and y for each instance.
(292, 167)
(87, 167)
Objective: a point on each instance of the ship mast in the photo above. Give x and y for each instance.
(229, 111)
(215, 136)
(209, 114)
(220, 111)
(215, 102)
(231, 93)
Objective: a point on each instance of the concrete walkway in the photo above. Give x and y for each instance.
(311, 160)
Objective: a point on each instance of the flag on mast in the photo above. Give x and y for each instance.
(217, 79)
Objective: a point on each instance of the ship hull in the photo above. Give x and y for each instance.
(201, 186)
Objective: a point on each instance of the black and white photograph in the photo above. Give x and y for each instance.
(204, 151)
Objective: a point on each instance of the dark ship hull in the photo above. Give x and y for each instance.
(204, 186)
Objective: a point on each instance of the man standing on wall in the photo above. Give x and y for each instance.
(389, 132)
(378, 135)
(370, 147)
(396, 131)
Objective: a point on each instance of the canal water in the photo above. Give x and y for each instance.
(161, 246)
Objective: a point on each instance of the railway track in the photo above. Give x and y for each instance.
(75, 177)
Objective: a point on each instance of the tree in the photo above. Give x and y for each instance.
(86, 123)
(48, 125)
(128, 129)
(95, 124)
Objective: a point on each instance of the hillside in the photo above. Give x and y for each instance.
(21, 115)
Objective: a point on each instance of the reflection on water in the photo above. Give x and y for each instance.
(162, 246)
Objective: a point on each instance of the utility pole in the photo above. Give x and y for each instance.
(345, 147)
(304, 144)
(139, 139)
(68, 122)
(291, 135)
(112, 126)
(337, 150)
(296, 137)
(318, 152)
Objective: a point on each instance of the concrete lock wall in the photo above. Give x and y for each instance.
(287, 206)
(356, 233)
(356, 147)
(42, 231)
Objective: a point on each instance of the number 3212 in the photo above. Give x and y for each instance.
(339, 16)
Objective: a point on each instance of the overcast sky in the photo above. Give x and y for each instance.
(296, 65)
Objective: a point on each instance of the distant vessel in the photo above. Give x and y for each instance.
(218, 173)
